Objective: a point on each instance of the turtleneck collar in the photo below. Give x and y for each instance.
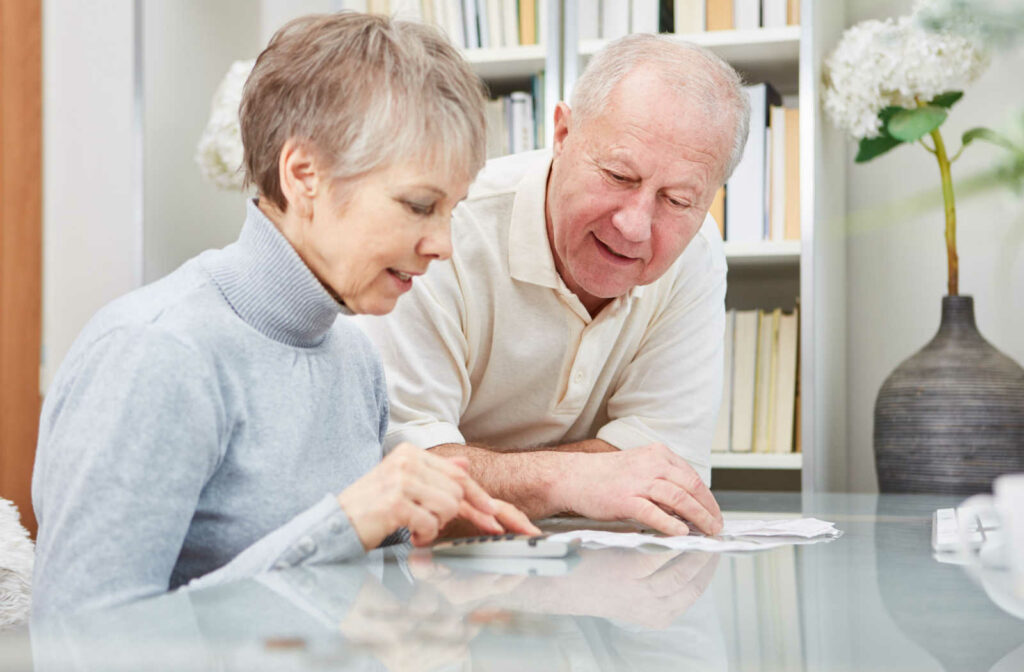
(268, 285)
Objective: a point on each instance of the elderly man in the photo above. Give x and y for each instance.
(572, 348)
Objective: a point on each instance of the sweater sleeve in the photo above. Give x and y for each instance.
(128, 439)
(129, 435)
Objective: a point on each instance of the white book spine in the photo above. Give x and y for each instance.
(744, 371)
(469, 23)
(689, 16)
(522, 121)
(483, 28)
(510, 22)
(494, 28)
(589, 18)
(643, 16)
(773, 13)
(720, 443)
(745, 197)
(746, 14)
(614, 19)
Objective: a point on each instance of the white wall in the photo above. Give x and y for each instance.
(91, 234)
(896, 262)
(124, 202)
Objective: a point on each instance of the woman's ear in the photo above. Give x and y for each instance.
(300, 177)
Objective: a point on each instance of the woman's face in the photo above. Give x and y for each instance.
(367, 239)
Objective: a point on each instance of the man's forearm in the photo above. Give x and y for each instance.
(529, 479)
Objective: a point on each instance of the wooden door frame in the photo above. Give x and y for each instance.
(21, 235)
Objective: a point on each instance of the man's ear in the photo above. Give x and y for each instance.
(300, 176)
(563, 119)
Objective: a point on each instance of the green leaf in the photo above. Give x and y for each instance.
(912, 125)
(947, 99)
(872, 147)
(989, 135)
(886, 114)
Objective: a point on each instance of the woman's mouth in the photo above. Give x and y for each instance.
(404, 277)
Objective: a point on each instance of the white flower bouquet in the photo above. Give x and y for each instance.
(893, 82)
(219, 153)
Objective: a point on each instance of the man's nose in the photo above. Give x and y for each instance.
(633, 218)
(437, 244)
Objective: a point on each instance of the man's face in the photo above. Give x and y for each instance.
(630, 187)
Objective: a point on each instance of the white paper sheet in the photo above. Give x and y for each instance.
(737, 535)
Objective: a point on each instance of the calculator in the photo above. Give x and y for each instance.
(506, 546)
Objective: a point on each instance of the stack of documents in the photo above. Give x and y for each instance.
(737, 535)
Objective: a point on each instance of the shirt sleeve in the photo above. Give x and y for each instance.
(427, 393)
(671, 391)
(129, 437)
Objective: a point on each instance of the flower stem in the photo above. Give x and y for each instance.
(947, 197)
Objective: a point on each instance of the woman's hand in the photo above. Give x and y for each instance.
(415, 489)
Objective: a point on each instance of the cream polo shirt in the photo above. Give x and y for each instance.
(491, 347)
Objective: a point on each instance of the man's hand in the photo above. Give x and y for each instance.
(645, 484)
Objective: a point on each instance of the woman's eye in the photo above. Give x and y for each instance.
(420, 208)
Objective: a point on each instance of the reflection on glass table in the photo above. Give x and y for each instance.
(875, 598)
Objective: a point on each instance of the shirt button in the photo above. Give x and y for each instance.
(579, 377)
(337, 525)
(307, 546)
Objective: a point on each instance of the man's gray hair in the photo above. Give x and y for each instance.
(687, 68)
(364, 92)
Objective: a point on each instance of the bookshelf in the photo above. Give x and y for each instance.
(768, 274)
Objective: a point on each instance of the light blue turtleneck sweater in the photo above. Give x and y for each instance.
(201, 426)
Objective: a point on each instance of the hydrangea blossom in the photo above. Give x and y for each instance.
(893, 62)
(219, 153)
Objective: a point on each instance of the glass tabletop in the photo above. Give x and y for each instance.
(875, 598)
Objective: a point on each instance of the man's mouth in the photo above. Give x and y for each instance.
(612, 252)
(404, 277)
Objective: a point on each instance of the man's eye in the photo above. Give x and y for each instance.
(617, 177)
(676, 203)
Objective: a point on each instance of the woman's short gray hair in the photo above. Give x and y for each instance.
(364, 91)
(686, 67)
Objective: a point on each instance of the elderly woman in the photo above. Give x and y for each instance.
(223, 421)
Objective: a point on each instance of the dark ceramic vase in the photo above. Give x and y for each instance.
(951, 418)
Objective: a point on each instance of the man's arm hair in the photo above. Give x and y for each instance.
(528, 479)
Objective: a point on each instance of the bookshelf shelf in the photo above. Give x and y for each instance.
(507, 63)
(757, 460)
(766, 253)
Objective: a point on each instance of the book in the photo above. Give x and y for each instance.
(689, 16)
(720, 443)
(777, 174)
(717, 210)
(509, 23)
(521, 133)
(527, 22)
(785, 386)
(719, 15)
(614, 19)
(745, 213)
(643, 16)
(792, 181)
(793, 12)
(470, 25)
(746, 14)
(744, 359)
(766, 372)
(497, 128)
(774, 13)
(495, 34)
(589, 19)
